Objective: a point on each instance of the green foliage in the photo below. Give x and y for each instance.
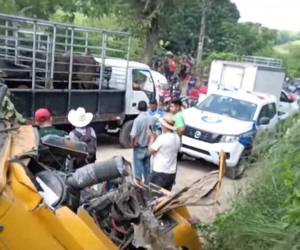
(285, 36)
(8, 6)
(145, 19)
(10, 113)
(290, 57)
(268, 216)
(109, 22)
(243, 38)
(173, 23)
(183, 25)
(227, 56)
(284, 48)
(36, 8)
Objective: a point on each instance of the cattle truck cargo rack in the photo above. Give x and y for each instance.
(50, 64)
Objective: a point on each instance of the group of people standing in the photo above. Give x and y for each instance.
(155, 138)
(177, 70)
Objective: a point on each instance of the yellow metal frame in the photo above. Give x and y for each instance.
(27, 223)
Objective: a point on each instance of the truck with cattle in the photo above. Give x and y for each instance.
(62, 66)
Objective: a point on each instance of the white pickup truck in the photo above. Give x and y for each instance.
(228, 121)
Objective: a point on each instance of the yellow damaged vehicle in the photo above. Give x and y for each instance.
(45, 205)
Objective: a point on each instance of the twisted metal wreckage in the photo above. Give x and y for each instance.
(50, 206)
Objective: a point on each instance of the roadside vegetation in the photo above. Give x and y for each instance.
(268, 215)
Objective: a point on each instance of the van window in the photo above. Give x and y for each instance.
(283, 97)
(272, 109)
(269, 111)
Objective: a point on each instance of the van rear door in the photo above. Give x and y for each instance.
(232, 76)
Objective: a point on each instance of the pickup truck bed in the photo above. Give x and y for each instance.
(104, 104)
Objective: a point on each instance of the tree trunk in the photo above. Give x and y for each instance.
(151, 41)
(201, 38)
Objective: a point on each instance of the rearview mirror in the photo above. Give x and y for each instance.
(264, 121)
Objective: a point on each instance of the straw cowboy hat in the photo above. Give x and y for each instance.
(168, 121)
(79, 118)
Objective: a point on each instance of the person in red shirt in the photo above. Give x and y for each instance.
(170, 65)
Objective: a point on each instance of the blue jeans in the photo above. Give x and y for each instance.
(141, 163)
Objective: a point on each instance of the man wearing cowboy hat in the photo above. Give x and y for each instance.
(80, 119)
(156, 113)
(164, 149)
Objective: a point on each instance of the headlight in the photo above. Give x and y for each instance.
(229, 138)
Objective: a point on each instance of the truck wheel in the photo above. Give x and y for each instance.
(238, 171)
(231, 173)
(124, 136)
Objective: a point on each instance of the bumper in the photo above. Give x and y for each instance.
(211, 151)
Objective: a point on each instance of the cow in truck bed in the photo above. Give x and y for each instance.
(85, 71)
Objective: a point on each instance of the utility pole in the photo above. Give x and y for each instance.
(201, 37)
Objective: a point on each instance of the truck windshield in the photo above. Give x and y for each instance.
(225, 105)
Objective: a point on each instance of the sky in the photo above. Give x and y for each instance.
(276, 14)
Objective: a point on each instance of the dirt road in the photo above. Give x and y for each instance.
(188, 171)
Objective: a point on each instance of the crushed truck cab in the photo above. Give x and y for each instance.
(28, 222)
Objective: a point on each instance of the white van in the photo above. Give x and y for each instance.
(227, 120)
(265, 75)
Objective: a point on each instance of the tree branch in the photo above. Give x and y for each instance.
(155, 11)
(146, 6)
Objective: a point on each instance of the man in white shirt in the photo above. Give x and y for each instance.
(164, 149)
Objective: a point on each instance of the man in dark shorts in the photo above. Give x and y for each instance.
(164, 149)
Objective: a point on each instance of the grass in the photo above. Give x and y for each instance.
(268, 216)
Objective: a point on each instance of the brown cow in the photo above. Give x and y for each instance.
(84, 72)
(14, 76)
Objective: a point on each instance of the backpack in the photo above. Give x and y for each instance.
(90, 141)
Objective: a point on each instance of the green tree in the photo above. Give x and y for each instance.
(227, 56)
(285, 36)
(36, 8)
(242, 38)
(183, 26)
(292, 60)
(176, 23)
(145, 18)
(169, 24)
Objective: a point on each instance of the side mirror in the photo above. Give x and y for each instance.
(264, 121)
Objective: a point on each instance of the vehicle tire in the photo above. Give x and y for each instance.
(124, 136)
(238, 171)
